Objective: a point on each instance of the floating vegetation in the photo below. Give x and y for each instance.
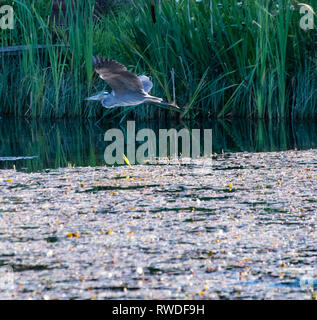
(184, 237)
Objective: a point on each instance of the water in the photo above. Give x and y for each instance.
(241, 225)
(36, 145)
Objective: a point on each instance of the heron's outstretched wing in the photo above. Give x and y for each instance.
(146, 82)
(117, 76)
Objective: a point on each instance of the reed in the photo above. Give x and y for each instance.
(50, 82)
(245, 59)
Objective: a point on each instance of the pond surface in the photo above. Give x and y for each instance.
(36, 145)
(239, 225)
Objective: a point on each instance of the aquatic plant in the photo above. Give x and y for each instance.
(245, 59)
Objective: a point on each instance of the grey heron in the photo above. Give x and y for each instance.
(127, 88)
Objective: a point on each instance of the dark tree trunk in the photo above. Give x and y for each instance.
(59, 10)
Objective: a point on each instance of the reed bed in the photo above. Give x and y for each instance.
(246, 59)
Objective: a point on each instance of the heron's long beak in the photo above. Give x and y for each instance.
(94, 98)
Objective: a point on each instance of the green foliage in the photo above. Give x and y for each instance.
(48, 82)
(231, 59)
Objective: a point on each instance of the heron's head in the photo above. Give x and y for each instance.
(99, 97)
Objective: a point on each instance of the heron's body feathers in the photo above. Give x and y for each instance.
(146, 82)
(117, 76)
(128, 89)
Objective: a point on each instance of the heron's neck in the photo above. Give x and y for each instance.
(108, 101)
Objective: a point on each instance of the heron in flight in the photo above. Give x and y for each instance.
(127, 88)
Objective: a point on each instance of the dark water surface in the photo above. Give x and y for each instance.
(36, 145)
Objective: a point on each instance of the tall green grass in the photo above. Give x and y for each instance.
(243, 65)
(245, 59)
(50, 82)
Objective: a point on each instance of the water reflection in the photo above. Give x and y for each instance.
(38, 145)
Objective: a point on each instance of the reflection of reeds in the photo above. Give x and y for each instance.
(56, 144)
(81, 143)
(231, 59)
